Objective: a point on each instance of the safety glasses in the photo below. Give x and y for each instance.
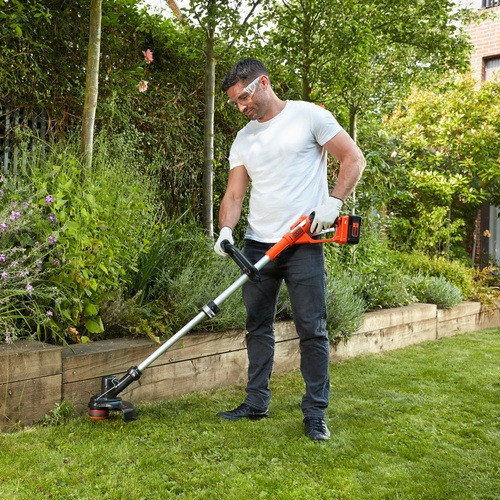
(246, 94)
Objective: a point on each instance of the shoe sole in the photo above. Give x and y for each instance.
(250, 417)
(323, 437)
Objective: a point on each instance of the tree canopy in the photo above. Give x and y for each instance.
(366, 55)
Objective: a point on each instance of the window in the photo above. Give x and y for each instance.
(487, 4)
(492, 69)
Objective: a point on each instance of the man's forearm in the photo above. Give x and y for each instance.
(349, 175)
(230, 213)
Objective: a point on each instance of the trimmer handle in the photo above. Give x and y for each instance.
(347, 230)
(243, 263)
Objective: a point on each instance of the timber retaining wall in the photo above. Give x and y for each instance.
(35, 376)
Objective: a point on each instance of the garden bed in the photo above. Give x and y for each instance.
(36, 376)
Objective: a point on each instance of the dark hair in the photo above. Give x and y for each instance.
(244, 71)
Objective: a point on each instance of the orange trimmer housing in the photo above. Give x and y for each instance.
(347, 230)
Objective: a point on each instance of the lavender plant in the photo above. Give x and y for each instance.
(30, 306)
(70, 239)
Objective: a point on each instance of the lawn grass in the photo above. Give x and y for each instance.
(418, 423)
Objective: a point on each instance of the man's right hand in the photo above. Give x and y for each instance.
(226, 233)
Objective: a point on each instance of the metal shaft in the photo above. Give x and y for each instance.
(200, 316)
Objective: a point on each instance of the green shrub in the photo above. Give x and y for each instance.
(383, 286)
(455, 272)
(197, 285)
(428, 230)
(345, 308)
(30, 303)
(84, 229)
(486, 287)
(436, 290)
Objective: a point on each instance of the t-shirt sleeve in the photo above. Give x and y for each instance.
(235, 159)
(324, 125)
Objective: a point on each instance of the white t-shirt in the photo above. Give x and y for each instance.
(286, 163)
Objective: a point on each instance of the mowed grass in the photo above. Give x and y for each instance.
(418, 423)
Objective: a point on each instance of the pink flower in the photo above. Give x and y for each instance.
(148, 56)
(394, 154)
(142, 86)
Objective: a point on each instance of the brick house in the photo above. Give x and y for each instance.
(485, 65)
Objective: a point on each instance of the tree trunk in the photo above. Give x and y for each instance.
(353, 134)
(92, 82)
(208, 137)
(306, 63)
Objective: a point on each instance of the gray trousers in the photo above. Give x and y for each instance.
(302, 268)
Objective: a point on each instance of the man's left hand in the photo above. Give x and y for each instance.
(326, 215)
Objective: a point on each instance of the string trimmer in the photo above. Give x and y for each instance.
(346, 230)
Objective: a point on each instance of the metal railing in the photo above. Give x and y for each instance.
(12, 120)
(488, 4)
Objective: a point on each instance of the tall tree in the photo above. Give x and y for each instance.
(92, 82)
(224, 24)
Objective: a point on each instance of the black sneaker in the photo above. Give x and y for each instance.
(244, 411)
(316, 428)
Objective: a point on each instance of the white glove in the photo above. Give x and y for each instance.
(226, 233)
(326, 215)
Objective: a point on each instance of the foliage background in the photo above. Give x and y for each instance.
(133, 257)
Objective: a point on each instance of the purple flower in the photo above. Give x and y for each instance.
(15, 214)
(39, 264)
(50, 313)
(2, 258)
(49, 199)
(4, 226)
(25, 204)
(52, 239)
(55, 262)
(5, 275)
(52, 218)
(29, 289)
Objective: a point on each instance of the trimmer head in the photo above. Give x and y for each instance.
(100, 405)
(99, 408)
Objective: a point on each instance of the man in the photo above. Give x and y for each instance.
(282, 153)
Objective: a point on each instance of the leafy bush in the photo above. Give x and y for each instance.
(487, 286)
(345, 308)
(80, 234)
(436, 290)
(455, 272)
(195, 286)
(384, 286)
(30, 302)
(370, 269)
